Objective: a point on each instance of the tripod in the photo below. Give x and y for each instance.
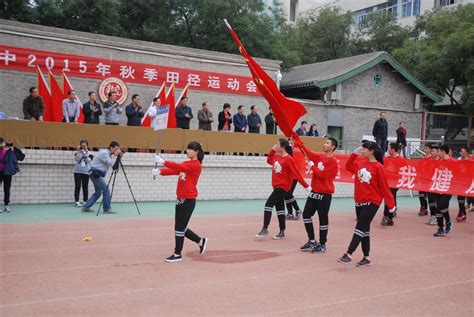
(113, 176)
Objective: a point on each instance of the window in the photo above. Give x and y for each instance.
(336, 133)
(377, 80)
(443, 3)
(410, 8)
(293, 7)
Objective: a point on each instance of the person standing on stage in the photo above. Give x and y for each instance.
(283, 172)
(324, 168)
(370, 187)
(188, 172)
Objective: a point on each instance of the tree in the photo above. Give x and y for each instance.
(442, 55)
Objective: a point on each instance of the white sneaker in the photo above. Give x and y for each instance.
(432, 221)
(7, 209)
(78, 204)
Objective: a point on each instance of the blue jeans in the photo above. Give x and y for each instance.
(100, 187)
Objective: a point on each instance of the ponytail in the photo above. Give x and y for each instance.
(196, 146)
(286, 145)
(378, 153)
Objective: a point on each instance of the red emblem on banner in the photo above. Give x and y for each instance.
(113, 84)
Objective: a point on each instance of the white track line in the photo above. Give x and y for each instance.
(358, 299)
(236, 279)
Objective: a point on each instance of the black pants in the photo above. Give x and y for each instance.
(7, 184)
(365, 214)
(320, 203)
(81, 180)
(386, 213)
(422, 197)
(443, 210)
(183, 212)
(277, 200)
(462, 205)
(290, 200)
(433, 203)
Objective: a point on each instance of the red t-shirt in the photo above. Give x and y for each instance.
(284, 171)
(370, 184)
(189, 172)
(323, 181)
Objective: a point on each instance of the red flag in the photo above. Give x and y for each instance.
(45, 93)
(146, 121)
(287, 112)
(67, 86)
(57, 98)
(172, 109)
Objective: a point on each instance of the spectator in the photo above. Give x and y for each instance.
(112, 109)
(134, 112)
(9, 157)
(83, 159)
(270, 124)
(240, 121)
(205, 117)
(184, 114)
(301, 131)
(313, 130)
(380, 131)
(71, 108)
(33, 106)
(254, 120)
(92, 110)
(402, 138)
(224, 118)
(153, 111)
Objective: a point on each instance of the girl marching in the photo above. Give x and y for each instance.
(189, 172)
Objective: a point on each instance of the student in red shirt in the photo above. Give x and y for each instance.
(283, 173)
(393, 155)
(324, 168)
(370, 188)
(443, 200)
(189, 172)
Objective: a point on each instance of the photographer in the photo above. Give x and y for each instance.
(83, 160)
(99, 167)
(9, 157)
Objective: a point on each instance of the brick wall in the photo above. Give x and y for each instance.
(47, 177)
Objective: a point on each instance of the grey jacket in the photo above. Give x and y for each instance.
(203, 118)
(103, 160)
(83, 162)
(112, 112)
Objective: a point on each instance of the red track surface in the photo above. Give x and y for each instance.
(46, 269)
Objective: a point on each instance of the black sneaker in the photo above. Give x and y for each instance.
(280, 235)
(308, 246)
(87, 210)
(449, 227)
(345, 259)
(320, 248)
(439, 233)
(262, 233)
(363, 262)
(174, 258)
(202, 246)
(386, 222)
(110, 211)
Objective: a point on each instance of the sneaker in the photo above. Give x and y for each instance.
(345, 259)
(395, 212)
(174, 258)
(78, 204)
(87, 210)
(298, 214)
(280, 235)
(449, 227)
(109, 211)
(423, 211)
(7, 209)
(386, 222)
(262, 233)
(320, 248)
(439, 233)
(363, 262)
(290, 217)
(432, 221)
(308, 246)
(202, 246)
(461, 218)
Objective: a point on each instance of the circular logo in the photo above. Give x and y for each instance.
(116, 85)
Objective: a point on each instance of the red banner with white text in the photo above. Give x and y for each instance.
(22, 59)
(443, 177)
